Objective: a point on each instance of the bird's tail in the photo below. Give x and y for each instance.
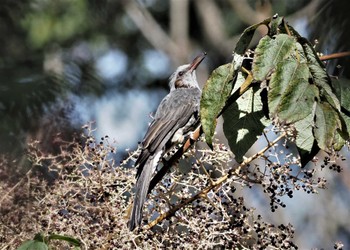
(141, 191)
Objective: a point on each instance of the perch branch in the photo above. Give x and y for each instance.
(215, 184)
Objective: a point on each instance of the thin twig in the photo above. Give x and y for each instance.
(335, 56)
(15, 186)
(204, 170)
(216, 184)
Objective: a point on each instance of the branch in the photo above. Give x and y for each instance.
(168, 164)
(335, 56)
(152, 30)
(4, 196)
(179, 26)
(211, 16)
(215, 184)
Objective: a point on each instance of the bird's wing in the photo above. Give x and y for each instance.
(173, 113)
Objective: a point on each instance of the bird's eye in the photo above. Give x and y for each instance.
(181, 73)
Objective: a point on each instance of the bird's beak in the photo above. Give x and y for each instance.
(197, 61)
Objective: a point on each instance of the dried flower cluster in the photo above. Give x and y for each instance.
(80, 192)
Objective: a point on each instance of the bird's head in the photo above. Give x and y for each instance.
(185, 75)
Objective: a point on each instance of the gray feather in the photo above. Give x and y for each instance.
(176, 113)
(173, 113)
(142, 186)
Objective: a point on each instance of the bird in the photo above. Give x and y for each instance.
(173, 121)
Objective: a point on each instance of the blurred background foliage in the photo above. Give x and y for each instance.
(65, 63)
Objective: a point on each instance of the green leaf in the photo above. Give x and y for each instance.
(342, 134)
(71, 240)
(214, 95)
(342, 87)
(280, 80)
(326, 124)
(243, 44)
(247, 36)
(339, 140)
(319, 75)
(270, 52)
(33, 245)
(342, 91)
(40, 237)
(297, 96)
(336, 85)
(244, 122)
(221, 82)
(305, 138)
